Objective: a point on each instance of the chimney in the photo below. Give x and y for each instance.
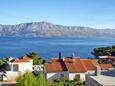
(98, 71)
(63, 59)
(59, 55)
(73, 60)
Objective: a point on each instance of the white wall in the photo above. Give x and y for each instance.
(51, 76)
(11, 76)
(24, 66)
(72, 76)
(91, 72)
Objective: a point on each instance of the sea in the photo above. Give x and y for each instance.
(48, 47)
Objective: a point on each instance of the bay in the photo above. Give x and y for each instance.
(48, 47)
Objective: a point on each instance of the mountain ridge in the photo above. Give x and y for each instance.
(46, 29)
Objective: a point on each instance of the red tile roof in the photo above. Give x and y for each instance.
(95, 62)
(68, 59)
(54, 59)
(106, 66)
(22, 59)
(73, 65)
(88, 64)
(58, 66)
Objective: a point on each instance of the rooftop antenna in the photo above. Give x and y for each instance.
(73, 54)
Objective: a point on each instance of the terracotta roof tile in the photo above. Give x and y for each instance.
(75, 67)
(22, 59)
(25, 58)
(54, 59)
(58, 66)
(88, 64)
(95, 62)
(106, 66)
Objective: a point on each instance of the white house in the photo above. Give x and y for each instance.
(55, 69)
(17, 67)
(22, 64)
(69, 68)
(79, 67)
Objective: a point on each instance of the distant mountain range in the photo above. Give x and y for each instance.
(46, 29)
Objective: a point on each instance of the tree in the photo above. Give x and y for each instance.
(28, 79)
(36, 59)
(6, 58)
(2, 65)
(1, 62)
(103, 51)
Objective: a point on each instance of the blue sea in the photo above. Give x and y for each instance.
(48, 47)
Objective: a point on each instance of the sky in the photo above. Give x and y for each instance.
(89, 13)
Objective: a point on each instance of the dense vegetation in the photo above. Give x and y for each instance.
(103, 51)
(28, 79)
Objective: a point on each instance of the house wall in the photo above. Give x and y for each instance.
(56, 75)
(27, 66)
(23, 66)
(72, 76)
(68, 75)
(11, 76)
(91, 72)
(88, 73)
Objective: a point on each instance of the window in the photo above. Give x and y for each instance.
(77, 77)
(15, 67)
(61, 75)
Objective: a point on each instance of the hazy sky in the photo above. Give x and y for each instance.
(92, 13)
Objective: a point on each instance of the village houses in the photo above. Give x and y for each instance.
(68, 67)
(71, 67)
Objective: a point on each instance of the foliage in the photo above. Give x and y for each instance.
(36, 59)
(65, 82)
(1, 62)
(103, 51)
(6, 58)
(2, 65)
(28, 79)
(99, 61)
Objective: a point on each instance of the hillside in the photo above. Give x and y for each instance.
(46, 29)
